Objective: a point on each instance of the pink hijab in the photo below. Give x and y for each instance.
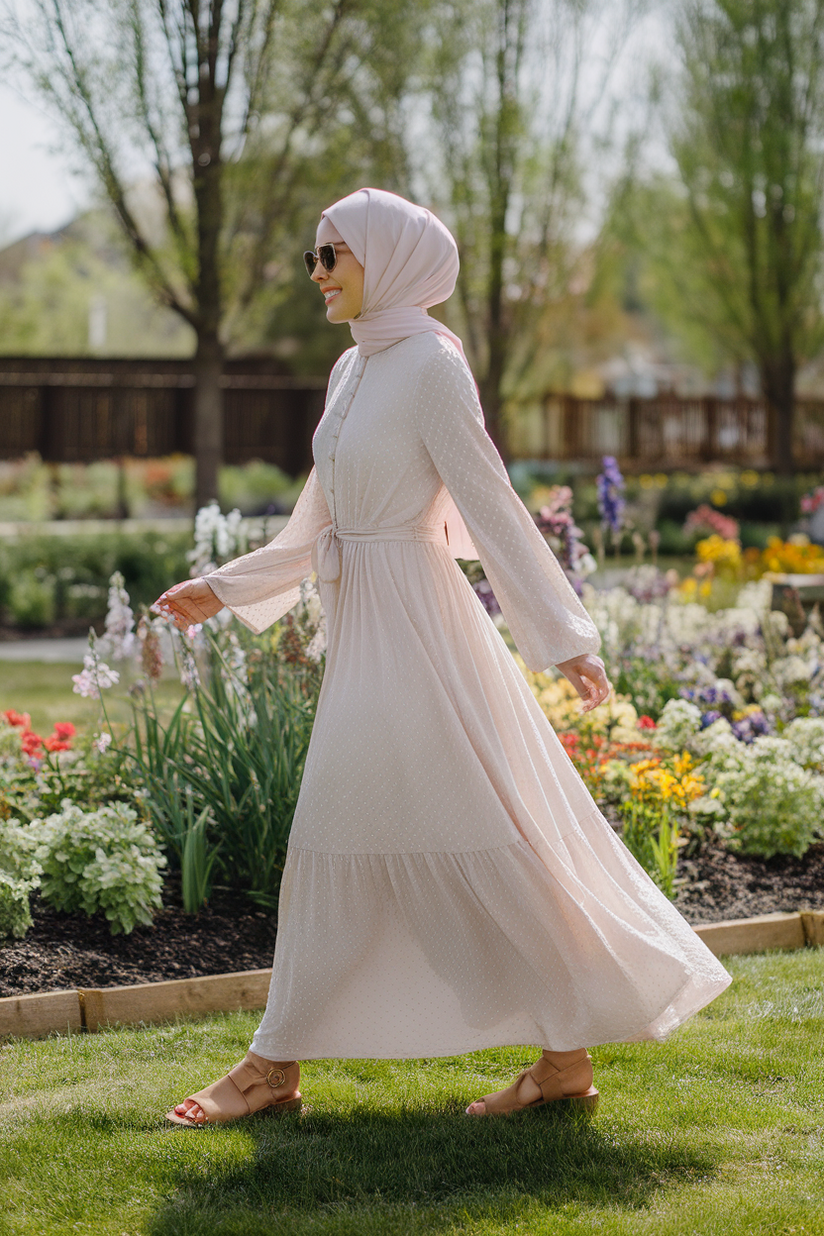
(410, 262)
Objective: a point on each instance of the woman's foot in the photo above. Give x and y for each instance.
(557, 1075)
(254, 1085)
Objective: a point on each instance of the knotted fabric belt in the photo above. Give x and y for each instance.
(326, 550)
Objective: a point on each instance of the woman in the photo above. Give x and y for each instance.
(450, 884)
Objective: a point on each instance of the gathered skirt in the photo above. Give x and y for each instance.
(450, 884)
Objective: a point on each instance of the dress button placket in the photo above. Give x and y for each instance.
(357, 374)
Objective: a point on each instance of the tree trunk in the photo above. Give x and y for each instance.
(778, 385)
(492, 402)
(208, 408)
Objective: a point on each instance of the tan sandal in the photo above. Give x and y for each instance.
(254, 1085)
(557, 1075)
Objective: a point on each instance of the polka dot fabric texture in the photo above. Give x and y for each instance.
(450, 883)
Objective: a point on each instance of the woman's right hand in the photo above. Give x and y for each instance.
(187, 603)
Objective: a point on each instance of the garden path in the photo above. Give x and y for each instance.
(68, 651)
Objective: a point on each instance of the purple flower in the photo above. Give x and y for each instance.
(610, 485)
(484, 593)
(751, 727)
(707, 718)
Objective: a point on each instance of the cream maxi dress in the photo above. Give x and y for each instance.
(450, 883)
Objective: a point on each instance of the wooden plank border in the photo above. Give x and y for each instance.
(92, 1009)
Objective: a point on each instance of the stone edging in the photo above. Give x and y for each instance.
(30, 1016)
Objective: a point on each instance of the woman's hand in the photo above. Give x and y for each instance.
(589, 678)
(189, 602)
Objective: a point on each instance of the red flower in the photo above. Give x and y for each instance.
(64, 730)
(646, 723)
(30, 742)
(21, 719)
(55, 743)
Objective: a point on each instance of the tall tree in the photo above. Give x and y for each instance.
(748, 137)
(199, 118)
(519, 89)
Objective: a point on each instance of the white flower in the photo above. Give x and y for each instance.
(216, 536)
(102, 742)
(788, 670)
(118, 642)
(679, 722)
(94, 677)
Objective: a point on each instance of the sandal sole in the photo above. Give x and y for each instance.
(272, 1109)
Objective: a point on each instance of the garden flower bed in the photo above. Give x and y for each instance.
(709, 759)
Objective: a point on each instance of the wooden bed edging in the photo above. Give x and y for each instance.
(92, 1009)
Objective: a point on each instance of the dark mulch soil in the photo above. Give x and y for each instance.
(70, 950)
(723, 886)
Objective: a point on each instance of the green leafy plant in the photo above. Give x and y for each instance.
(106, 860)
(220, 779)
(15, 913)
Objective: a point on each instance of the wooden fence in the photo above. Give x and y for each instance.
(661, 433)
(80, 410)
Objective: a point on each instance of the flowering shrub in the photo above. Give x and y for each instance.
(556, 521)
(798, 556)
(706, 519)
(105, 860)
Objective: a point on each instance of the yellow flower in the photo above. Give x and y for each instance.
(715, 549)
(718, 497)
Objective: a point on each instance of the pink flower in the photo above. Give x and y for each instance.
(21, 719)
(646, 723)
(102, 742)
(64, 730)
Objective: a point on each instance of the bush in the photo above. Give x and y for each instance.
(43, 578)
(773, 805)
(105, 860)
(31, 599)
(15, 914)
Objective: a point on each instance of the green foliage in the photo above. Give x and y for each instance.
(651, 835)
(44, 578)
(31, 599)
(45, 307)
(105, 860)
(220, 779)
(773, 805)
(15, 914)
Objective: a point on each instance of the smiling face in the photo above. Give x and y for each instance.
(342, 288)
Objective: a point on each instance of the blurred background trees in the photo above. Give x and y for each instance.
(622, 178)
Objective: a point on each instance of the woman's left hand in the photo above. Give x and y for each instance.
(589, 678)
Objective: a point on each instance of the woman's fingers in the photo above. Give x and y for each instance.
(189, 602)
(589, 678)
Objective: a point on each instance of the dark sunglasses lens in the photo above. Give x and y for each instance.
(310, 260)
(328, 257)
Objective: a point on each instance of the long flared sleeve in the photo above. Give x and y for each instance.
(545, 617)
(262, 586)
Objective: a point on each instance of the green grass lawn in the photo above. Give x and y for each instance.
(718, 1132)
(44, 689)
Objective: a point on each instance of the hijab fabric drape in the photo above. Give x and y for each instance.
(410, 262)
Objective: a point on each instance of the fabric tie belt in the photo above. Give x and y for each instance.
(326, 550)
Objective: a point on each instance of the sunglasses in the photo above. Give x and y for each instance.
(325, 254)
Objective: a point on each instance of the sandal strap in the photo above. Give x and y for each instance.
(244, 1089)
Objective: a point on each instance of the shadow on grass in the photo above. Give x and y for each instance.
(316, 1164)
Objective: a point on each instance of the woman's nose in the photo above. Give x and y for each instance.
(319, 274)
